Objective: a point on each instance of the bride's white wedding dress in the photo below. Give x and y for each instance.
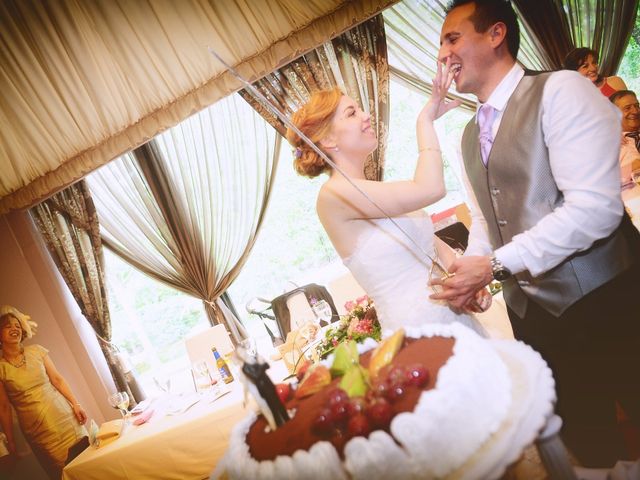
(395, 274)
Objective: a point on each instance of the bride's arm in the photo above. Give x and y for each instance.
(401, 197)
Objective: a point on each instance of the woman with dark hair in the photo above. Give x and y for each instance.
(49, 414)
(585, 62)
(392, 269)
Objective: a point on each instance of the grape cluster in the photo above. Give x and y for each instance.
(358, 416)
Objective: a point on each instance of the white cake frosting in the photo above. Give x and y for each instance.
(450, 422)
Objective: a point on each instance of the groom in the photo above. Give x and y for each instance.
(541, 160)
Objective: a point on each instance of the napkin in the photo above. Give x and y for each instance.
(108, 432)
(143, 417)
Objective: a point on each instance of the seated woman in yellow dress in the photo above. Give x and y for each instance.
(50, 417)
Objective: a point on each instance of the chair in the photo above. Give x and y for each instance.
(455, 235)
(199, 346)
(281, 305)
(76, 449)
(343, 289)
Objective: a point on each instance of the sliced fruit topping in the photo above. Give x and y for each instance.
(346, 355)
(355, 381)
(315, 379)
(384, 353)
(284, 392)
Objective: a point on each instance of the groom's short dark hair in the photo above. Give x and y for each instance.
(489, 12)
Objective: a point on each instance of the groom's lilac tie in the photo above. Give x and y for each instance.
(486, 115)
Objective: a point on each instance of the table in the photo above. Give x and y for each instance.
(181, 447)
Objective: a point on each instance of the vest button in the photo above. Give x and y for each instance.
(502, 223)
(495, 191)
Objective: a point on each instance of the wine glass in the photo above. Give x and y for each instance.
(163, 382)
(120, 401)
(322, 311)
(249, 347)
(201, 376)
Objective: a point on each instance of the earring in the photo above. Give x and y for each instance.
(336, 149)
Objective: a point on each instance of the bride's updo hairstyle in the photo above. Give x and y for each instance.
(314, 120)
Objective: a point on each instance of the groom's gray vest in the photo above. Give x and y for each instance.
(517, 189)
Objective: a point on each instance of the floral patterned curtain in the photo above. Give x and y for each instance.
(69, 225)
(355, 61)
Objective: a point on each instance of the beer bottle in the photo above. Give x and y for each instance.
(223, 368)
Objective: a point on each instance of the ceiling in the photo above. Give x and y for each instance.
(84, 81)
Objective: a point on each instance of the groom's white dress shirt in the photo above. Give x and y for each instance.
(582, 132)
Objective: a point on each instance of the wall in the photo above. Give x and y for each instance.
(30, 281)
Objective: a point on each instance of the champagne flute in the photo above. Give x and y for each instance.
(120, 401)
(201, 376)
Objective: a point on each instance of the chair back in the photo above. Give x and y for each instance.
(76, 449)
(296, 299)
(455, 235)
(199, 346)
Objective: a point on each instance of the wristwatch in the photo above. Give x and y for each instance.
(499, 271)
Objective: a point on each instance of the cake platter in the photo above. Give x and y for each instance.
(533, 398)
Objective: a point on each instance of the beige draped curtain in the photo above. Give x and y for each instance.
(413, 39)
(355, 61)
(559, 26)
(83, 82)
(186, 207)
(69, 225)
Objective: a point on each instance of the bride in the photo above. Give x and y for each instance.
(391, 268)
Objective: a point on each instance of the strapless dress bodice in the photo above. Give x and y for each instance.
(394, 271)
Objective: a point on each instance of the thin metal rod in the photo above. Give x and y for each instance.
(324, 156)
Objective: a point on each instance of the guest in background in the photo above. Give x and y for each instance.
(541, 161)
(627, 102)
(50, 417)
(585, 62)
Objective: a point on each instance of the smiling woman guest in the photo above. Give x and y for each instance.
(585, 62)
(50, 417)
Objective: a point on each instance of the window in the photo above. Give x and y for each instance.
(150, 320)
(149, 324)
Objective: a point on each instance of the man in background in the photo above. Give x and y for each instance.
(627, 102)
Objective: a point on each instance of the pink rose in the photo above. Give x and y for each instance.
(350, 305)
(363, 300)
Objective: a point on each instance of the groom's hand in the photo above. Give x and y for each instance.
(469, 274)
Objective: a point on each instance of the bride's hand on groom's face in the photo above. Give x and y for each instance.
(438, 104)
(468, 276)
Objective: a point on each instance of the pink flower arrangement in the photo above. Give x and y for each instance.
(359, 323)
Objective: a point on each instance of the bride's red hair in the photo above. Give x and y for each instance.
(314, 120)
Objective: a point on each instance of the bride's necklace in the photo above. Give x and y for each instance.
(19, 363)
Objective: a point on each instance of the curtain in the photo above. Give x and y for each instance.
(186, 207)
(413, 39)
(561, 25)
(85, 81)
(355, 61)
(69, 225)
